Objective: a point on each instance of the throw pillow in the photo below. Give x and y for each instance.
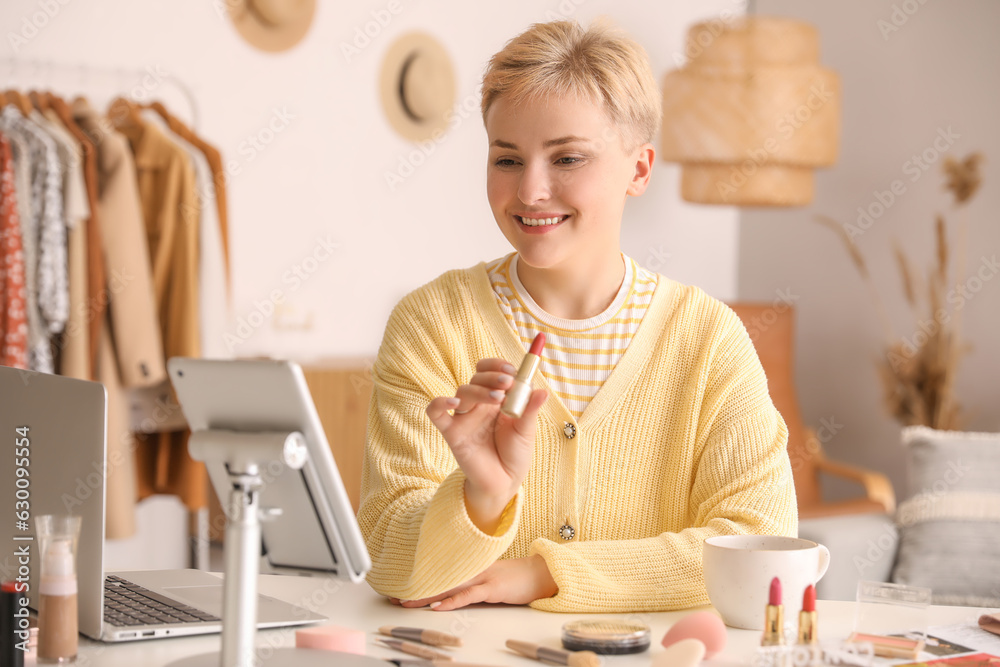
(950, 524)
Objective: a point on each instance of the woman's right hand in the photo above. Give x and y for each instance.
(494, 450)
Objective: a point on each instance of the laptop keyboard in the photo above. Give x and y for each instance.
(127, 604)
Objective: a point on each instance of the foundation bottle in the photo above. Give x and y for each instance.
(58, 624)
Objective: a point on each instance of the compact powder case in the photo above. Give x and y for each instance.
(606, 636)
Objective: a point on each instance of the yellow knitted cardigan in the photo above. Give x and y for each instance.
(682, 442)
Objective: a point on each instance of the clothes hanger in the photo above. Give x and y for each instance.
(97, 270)
(177, 126)
(124, 114)
(18, 99)
(213, 156)
(80, 103)
(62, 109)
(158, 107)
(39, 99)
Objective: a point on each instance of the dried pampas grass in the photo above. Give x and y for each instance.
(918, 371)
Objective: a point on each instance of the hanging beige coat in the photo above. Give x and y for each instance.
(169, 198)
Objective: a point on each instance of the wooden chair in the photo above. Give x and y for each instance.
(771, 328)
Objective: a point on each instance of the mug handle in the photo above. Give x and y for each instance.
(824, 561)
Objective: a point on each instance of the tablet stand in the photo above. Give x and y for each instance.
(245, 456)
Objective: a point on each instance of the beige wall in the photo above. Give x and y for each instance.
(901, 89)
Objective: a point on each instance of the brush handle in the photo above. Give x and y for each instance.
(553, 655)
(418, 650)
(536, 652)
(432, 637)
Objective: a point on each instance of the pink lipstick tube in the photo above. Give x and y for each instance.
(518, 395)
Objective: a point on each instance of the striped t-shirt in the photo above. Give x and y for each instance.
(579, 354)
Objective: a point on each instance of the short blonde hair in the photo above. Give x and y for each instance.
(601, 64)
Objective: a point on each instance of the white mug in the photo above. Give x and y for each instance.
(739, 568)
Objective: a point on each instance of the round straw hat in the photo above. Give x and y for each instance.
(417, 86)
(272, 25)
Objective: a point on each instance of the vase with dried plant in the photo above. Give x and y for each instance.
(918, 373)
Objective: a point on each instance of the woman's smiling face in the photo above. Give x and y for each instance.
(557, 178)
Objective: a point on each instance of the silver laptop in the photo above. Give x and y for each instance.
(58, 426)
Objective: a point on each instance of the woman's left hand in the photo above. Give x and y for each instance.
(517, 581)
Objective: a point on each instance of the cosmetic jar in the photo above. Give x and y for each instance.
(606, 636)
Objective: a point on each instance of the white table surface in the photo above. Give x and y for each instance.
(483, 628)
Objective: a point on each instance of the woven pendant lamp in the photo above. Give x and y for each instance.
(751, 114)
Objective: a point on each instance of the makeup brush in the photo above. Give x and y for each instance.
(412, 648)
(555, 656)
(432, 637)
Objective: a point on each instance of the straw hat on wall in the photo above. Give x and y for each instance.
(417, 85)
(272, 25)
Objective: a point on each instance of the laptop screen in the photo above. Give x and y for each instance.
(54, 462)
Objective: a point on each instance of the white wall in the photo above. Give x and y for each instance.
(323, 175)
(938, 70)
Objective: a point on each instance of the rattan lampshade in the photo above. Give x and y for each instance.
(751, 114)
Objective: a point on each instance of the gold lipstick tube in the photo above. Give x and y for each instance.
(774, 626)
(520, 393)
(807, 628)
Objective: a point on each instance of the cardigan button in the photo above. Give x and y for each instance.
(567, 532)
(569, 430)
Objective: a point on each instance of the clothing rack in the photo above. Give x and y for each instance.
(140, 86)
(125, 82)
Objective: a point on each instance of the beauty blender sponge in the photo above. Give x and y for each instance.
(701, 625)
(684, 653)
(331, 638)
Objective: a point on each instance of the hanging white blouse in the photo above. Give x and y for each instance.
(39, 350)
(47, 199)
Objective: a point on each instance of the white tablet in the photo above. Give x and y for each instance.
(314, 527)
